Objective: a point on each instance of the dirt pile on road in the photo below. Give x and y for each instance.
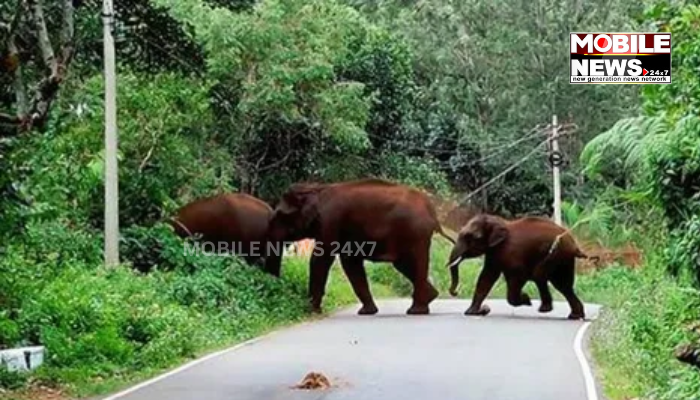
(314, 381)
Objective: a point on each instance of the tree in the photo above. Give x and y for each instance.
(489, 72)
(37, 49)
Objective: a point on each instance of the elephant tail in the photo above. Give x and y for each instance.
(442, 233)
(541, 270)
(581, 254)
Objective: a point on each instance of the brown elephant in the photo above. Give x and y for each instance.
(368, 219)
(527, 249)
(234, 222)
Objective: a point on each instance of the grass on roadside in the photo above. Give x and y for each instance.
(105, 330)
(108, 329)
(644, 317)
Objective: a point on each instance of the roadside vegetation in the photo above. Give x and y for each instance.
(239, 95)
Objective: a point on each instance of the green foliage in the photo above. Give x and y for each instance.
(683, 96)
(683, 252)
(414, 171)
(109, 319)
(470, 103)
(166, 153)
(383, 63)
(600, 222)
(282, 62)
(10, 380)
(653, 159)
(619, 155)
(212, 98)
(675, 178)
(106, 324)
(641, 324)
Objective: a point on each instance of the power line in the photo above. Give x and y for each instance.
(502, 150)
(498, 149)
(531, 134)
(504, 172)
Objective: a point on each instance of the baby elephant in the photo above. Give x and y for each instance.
(527, 249)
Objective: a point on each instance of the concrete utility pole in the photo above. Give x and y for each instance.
(111, 142)
(555, 160)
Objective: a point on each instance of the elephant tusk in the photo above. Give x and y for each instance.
(455, 262)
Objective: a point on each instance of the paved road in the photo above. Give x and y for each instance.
(512, 354)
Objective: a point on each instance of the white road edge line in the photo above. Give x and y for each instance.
(206, 358)
(591, 390)
(187, 366)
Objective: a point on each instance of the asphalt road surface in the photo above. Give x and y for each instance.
(511, 354)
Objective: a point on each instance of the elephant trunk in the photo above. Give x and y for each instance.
(456, 257)
(273, 259)
(454, 274)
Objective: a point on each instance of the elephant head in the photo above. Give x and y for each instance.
(294, 218)
(296, 215)
(479, 236)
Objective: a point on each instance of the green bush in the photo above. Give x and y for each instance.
(108, 320)
(413, 171)
(12, 380)
(682, 98)
(675, 178)
(645, 317)
(167, 153)
(683, 251)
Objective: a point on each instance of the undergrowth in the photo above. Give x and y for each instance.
(645, 316)
(103, 329)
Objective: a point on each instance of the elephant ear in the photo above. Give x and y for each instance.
(303, 199)
(286, 207)
(498, 232)
(309, 211)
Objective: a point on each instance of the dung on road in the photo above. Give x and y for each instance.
(314, 381)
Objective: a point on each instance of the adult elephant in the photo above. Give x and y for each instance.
(369, 219)
(233, 222)
(527, 249)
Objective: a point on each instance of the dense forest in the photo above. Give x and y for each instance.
(252, 96)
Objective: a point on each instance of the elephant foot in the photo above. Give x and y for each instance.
(368, 310)
(577, 316)
(525, 300)
(315, 308)
(483, 311)
(545, 307)
(418, 310)
(432, 294)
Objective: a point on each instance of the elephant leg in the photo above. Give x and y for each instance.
(545, 296)
(487, 278)
(405, 268)
(516, 297)
(424, 293)
(273, 261)
(320, 267)
(355, 271)
(563, 280)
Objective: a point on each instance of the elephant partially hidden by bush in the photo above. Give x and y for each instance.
(234, 222)
(527, 249)
(361, 220)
